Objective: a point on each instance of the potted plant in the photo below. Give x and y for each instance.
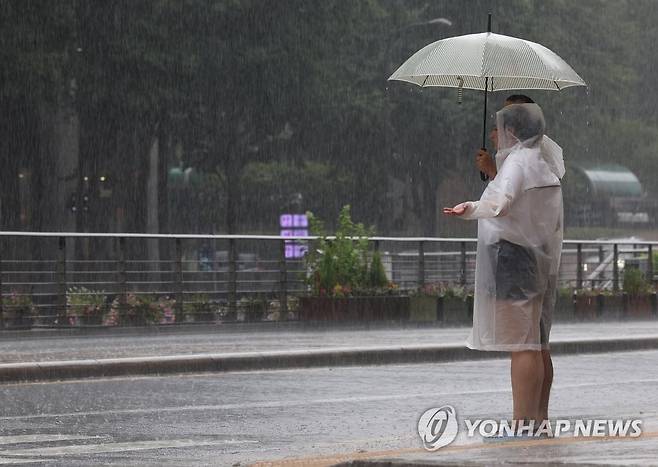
(251, 309)
(18, 311)
(199, 308)
(564, 304)
(274, 309)
(167, 311)
(85, 307)
(637, 294)
(347, 279)
(611, 304)
(456, 304)
(442, 301)
(424, 303)
(586, 304)
(140, 310)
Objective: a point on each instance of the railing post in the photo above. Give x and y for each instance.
(421, 264)
(579, 266)
(650, 264)
(283, 285)
(123, 277)
(462, 271)
(232, 278)
(178, 280)
(61, 281)
(615, 268)
(601, 259)
(2, 309)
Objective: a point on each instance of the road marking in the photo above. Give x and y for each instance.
(79, 449)
(329, 460)
(20, 461)
(43, 438)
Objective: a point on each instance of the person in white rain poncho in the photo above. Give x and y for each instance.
(519, 245)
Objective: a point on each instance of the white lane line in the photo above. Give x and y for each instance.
(43, 438)
(301, 403)
(79, 449)
(6, 461)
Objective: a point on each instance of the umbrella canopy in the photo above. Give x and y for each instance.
(487, 61)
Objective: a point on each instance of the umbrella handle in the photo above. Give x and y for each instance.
(484, 177)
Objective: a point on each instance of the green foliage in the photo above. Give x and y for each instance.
(253, 306)
(339, 265)
(85, 303)
(140, 309)
(377, 274)
(565, 292)
(444, 289)
(198, 307)
(16, 304)
(635, 282)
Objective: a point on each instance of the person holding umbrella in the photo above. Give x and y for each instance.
(483, 160)
(520, 232)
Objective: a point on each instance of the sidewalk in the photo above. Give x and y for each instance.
(52, 354)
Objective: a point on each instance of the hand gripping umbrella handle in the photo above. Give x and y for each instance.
(484, 177)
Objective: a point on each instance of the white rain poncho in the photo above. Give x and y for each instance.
(519, 236)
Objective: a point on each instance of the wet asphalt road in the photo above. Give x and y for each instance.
(34, 346)
(225, 419)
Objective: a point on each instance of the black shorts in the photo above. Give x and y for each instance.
(516, 271)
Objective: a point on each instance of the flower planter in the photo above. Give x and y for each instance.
(205, 317)
(251, 316)
(585, 307)
(611, 306)
(251, 310)
(91, 320)
(456, 311)
(385, 308)
(564, 308)
(424, 308)
(18, 320)
(133, 320)
(639, 306)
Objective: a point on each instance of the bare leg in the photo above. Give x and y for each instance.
(527, 378)
(546, 384)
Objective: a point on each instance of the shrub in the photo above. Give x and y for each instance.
(377, 276)
(84, 305)
(17, 308)
(444, 289)
(634, 282)
(344, 266)
(140, 309)
(199, 308)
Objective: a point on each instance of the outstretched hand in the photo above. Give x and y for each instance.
(458, 210)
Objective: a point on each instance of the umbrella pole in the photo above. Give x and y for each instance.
(484, 177)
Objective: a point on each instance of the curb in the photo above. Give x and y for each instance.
(344, 356)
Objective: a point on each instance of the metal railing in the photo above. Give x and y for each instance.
(62, 276)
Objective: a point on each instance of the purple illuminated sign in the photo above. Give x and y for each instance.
(294, 225)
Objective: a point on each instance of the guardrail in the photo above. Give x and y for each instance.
(64, 278)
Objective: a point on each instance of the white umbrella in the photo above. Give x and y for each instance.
(487, 62)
